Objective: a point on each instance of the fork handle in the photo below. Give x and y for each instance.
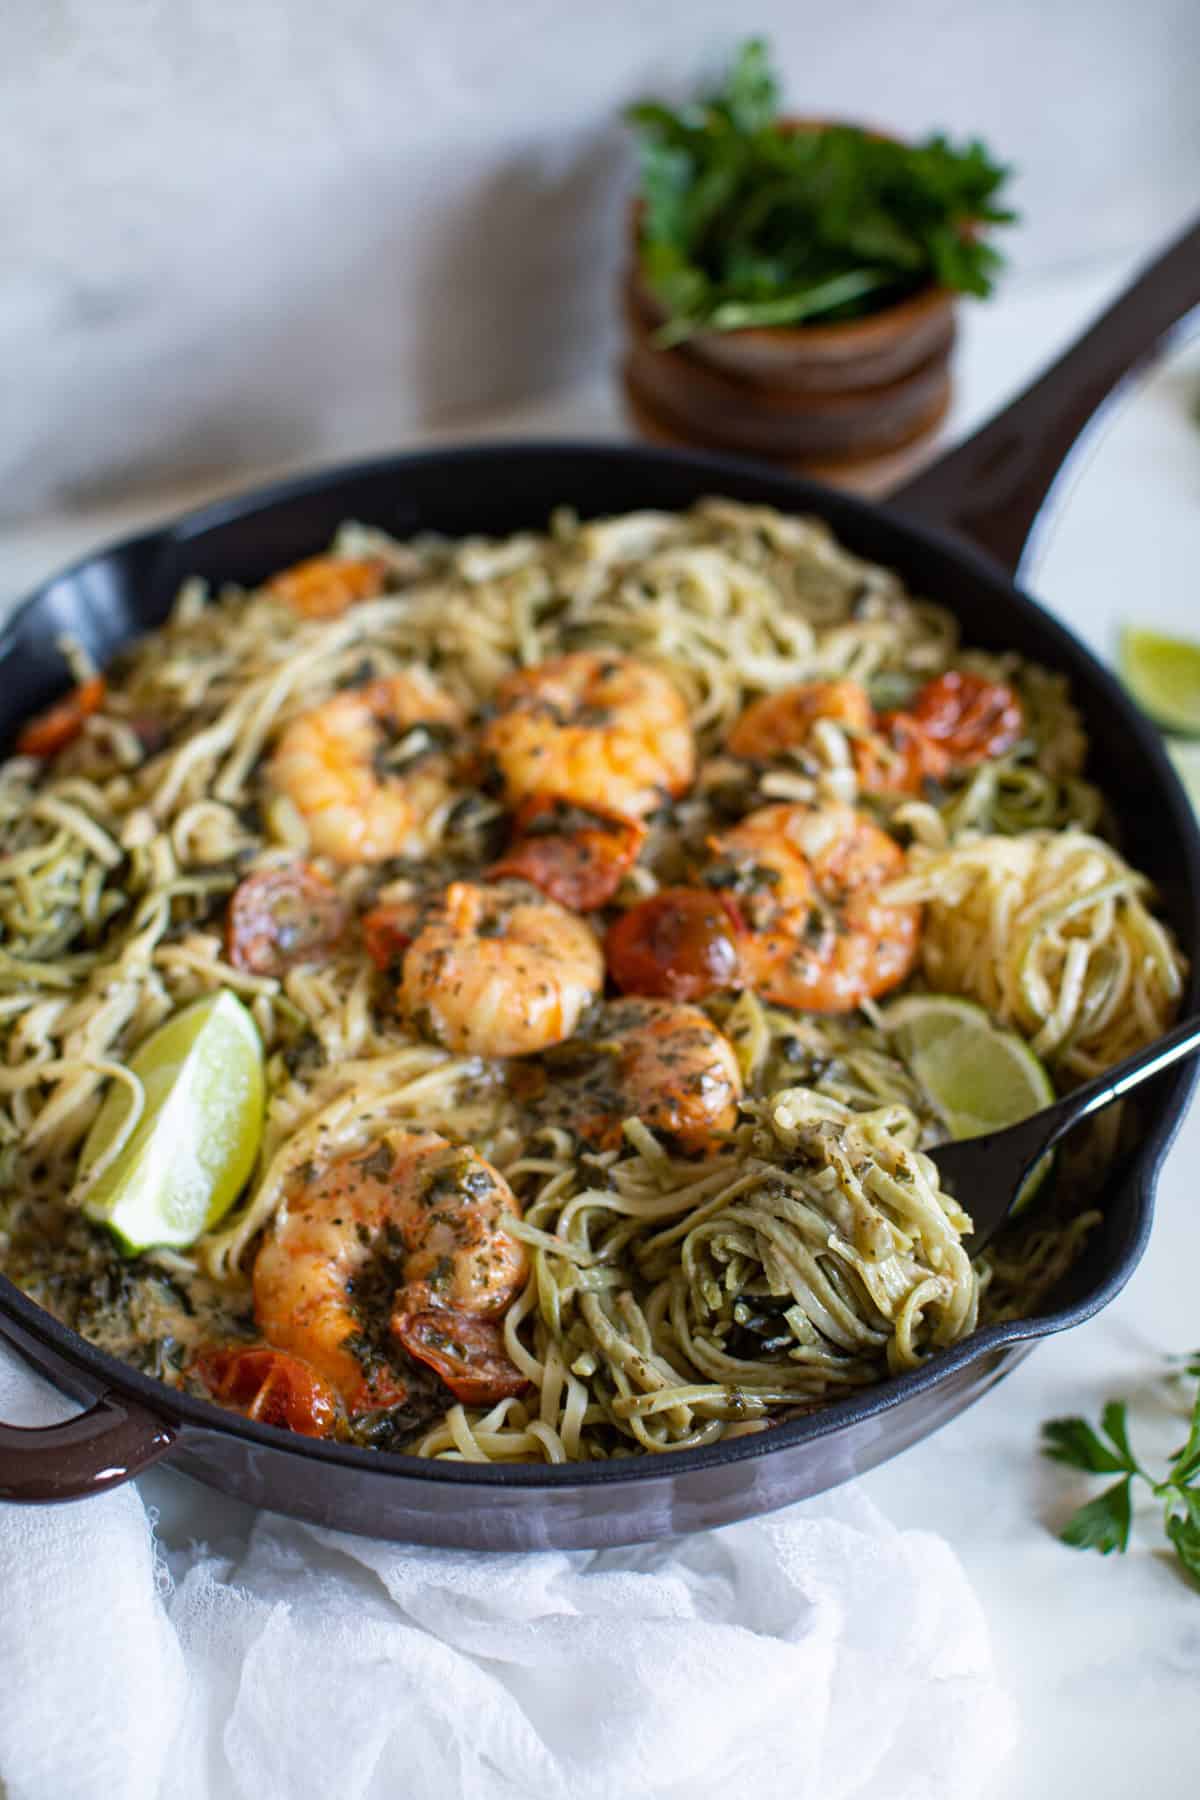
(1182, 1040)
(992, 487)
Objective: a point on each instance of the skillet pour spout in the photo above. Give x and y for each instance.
(990, 489)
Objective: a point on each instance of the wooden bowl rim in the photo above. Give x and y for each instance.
(721, 385)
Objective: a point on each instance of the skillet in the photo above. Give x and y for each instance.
(990, 490)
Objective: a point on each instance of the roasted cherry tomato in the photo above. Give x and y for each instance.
(325, 586)
(969, 718)
(574, 856)
(281, 917)
(52, 730)
(272, 1387)
(387, 933)
(465, 1350)
(680, 944)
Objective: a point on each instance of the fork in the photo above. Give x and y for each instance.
(986, 1174)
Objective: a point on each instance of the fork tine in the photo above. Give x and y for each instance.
(986, 1174)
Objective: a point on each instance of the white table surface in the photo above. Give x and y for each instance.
(1102, 1655)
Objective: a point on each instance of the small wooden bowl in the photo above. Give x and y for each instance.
(815, 359)
(871, 474)
(719, 408)
(805, 394)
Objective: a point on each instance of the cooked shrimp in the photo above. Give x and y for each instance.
(366, 1251)
(576, 856)
(594, 728)
(783, 720)
(663, 1063)
(270, 1386)
(322, 587)
(332, 763)
(890, 754)
(495, 970)
(806, 881)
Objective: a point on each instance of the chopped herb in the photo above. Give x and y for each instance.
(362, 672)
(747, 224)
(1104, 1523)
(740, 877)
(439, 1276)
(379, 1162)
(304, 1055)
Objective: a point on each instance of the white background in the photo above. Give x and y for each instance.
(261, 231)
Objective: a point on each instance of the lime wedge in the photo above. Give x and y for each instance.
(1163, 675)
(1186, 757)
(195, 1144)
(977, 1077)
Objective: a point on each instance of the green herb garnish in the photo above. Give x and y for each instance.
(747, 224)
(1104, 1523)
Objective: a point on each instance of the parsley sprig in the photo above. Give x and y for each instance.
(746, 224)
(1104, 1523)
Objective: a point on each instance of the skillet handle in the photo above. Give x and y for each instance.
(993, 487)
(111, 1442)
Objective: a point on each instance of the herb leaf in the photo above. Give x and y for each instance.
(1186, 1461)
(1072, 1441)
(1103, 1524)
(1183, 1528)
(745, 223)
(751, 96)
(1112, 1424)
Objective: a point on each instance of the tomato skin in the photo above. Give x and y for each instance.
(271, 1386)
(323, 587)
(387, 933)
(573, 856)
(969, 718)
(60, 724)
(466, 1351)
(283, 916)
(680, 944)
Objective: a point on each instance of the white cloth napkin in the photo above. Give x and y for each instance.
(817, 1654)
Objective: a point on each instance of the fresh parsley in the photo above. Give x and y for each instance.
(744, 223)
(1104, 1523)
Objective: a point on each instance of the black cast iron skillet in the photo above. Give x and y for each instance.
(990, 489)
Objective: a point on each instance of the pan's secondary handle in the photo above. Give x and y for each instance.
(99, 1449)
(992, 487)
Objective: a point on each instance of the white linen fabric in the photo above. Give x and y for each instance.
(817, 1654)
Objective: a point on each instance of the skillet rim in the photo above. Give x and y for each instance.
(792, 493)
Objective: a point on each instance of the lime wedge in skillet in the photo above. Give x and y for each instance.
(194, 1146)
(978, 1078)
(1163, 675)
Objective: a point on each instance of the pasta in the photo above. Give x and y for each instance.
(694, 1268)
(1051, 932)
